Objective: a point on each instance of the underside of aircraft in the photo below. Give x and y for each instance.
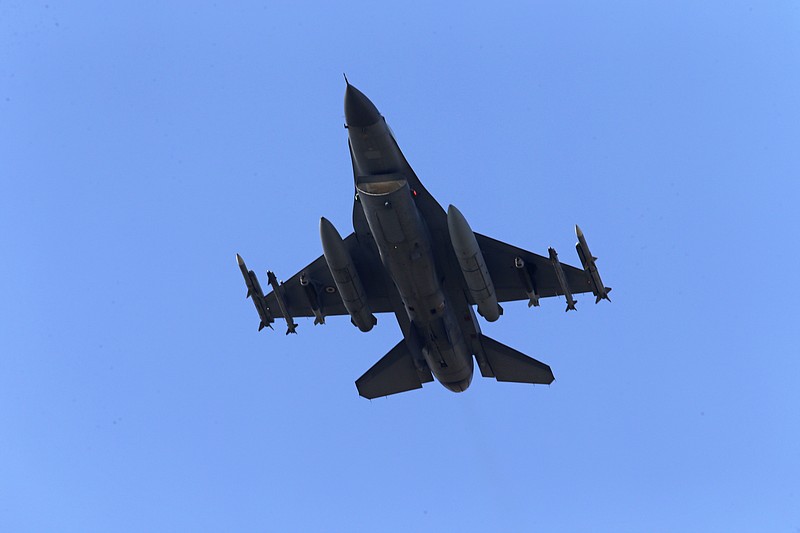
(410, 257)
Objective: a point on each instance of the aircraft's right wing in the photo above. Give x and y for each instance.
(509, 277)
(314, 287)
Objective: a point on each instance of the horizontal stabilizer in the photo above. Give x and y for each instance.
(511, 365)
(394, 373)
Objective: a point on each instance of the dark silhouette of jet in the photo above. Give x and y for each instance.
(410, 257)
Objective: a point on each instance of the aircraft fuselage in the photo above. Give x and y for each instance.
(405, 246)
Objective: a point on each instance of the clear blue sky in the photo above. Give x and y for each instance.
(142, 146)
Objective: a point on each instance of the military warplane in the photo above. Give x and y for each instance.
(410, 257)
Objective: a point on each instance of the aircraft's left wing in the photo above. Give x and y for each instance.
(312, 291)
(518, 274)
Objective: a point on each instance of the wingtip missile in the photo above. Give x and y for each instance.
(599, 290)
(255, 293)
(243, 269)
(245, 273)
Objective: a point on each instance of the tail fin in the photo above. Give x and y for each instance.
(507, 364)
(395, 372)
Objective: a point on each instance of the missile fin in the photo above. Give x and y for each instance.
(603, 295)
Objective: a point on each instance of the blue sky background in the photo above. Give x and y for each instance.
(143, 145)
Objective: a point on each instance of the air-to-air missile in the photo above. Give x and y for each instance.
(562, 280)
(472, 265)
(256, 294)
(587, 260)
(345, 276)
(276, 288)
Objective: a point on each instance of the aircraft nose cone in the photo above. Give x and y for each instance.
(359, 111)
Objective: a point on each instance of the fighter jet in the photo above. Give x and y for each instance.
(410, 257)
